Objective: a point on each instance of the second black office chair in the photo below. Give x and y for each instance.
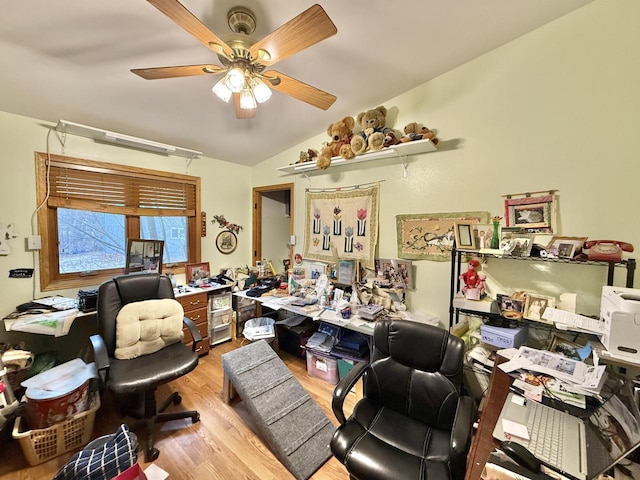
(412, 423)
(134, 381)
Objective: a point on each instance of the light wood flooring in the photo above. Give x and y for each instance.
(222, 446)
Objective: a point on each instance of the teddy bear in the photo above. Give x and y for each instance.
(311, 155)
(341, 133)
(373, 133)
(412, 131)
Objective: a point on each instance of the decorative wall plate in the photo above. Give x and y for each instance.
(226, 241)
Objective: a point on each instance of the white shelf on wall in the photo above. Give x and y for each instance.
(399, 151)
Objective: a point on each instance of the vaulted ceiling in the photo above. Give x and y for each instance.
(71, 59)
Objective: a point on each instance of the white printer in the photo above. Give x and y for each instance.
(620, 310)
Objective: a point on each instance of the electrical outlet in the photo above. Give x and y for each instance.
(34, 242)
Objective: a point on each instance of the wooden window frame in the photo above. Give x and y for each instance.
(50, 278)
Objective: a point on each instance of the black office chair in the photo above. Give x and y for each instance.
(134, 381)
(412, 422)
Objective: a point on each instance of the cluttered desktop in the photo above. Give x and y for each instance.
(565, 413)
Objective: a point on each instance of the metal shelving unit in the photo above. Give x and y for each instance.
(458, 254)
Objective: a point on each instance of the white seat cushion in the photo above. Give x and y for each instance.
(148, 326)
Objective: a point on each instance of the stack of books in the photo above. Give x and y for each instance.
(370, 312)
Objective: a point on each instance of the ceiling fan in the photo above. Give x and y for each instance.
(245, 60)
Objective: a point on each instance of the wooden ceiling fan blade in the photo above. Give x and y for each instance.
(300, 90)
(158, 73)
(189, 22)
(308, 28)
(242, 113)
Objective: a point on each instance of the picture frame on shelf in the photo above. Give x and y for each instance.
(566, 247)
(515, 242)
(144, 255)
(511, 306)
(535, 305)
(465, 235)
(482, 233)
(196, 271)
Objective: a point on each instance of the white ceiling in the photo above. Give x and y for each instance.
(71, 59)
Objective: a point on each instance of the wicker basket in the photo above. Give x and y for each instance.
(43, 444)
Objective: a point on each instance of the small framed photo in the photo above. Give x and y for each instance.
(465, 237)
(144, 255)
(565, 347)
(535, 306)
(196, 271)
(396, 272)
(317, 269)
(511, 307)
(516, 243)
(482, 233)
(566, 247)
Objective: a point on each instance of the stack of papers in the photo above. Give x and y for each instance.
(566, 375)
(564, 320)
(258, 332)
(321, 342)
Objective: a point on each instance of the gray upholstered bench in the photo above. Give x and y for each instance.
(290, 422)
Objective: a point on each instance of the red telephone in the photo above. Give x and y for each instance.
(606, 250)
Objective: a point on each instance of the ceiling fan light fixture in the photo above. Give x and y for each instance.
(221, 90)
(234, 80)
(247, 100)
(261, 91)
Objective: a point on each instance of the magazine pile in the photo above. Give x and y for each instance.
(554, 375)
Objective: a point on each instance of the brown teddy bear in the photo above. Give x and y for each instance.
(310, 155)
(412, 131)
(341, 134)
(373, 133)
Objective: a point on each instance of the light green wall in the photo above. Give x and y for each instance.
(555, 109)
(20, 137)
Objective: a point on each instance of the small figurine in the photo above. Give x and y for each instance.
(474, 282)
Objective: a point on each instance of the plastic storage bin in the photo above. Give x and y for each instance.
(40, 445)
(322, 366)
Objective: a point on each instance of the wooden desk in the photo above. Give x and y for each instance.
(483, 442)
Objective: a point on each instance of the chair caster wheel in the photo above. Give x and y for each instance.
(151, 454)
(195, 418)
(177, 400)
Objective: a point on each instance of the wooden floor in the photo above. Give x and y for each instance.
(221, 446)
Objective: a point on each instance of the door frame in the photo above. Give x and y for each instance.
(257, 217)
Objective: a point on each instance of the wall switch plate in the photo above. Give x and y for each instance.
(34, 242)
(292, 240)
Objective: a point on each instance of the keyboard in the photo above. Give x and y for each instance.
(546, 429)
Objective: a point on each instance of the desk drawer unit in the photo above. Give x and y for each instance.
(195, 308)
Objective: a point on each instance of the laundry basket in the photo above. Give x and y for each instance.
(260, 328)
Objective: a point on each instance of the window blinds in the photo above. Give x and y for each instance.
(95, 188)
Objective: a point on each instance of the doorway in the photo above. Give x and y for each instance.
(273, 224)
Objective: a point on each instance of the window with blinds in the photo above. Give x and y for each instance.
(89, 209)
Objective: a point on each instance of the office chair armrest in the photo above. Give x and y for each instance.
(195, 333)
(343, 387)
(100, 356)
(463, 426)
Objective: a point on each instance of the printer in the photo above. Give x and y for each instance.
(620, 311)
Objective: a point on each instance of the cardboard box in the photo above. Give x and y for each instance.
(503, 337)
(134, 472)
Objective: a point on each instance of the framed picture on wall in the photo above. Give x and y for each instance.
(144, 255)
